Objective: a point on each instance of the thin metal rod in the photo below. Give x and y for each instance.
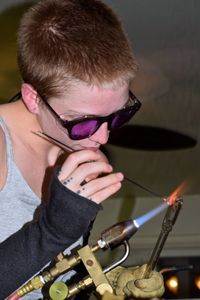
(144, 188)
(65, 147)
(51, 139)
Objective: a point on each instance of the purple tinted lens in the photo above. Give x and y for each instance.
(84, 129)
(121, 118)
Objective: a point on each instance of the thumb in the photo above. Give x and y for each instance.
(155, 282)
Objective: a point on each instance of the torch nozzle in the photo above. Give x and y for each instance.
(117, 234)
(122, 231)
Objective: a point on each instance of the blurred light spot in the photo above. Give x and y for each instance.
(172, 284)
(197, 282)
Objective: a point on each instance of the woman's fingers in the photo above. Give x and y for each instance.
(76, 178)
(101, 188)
(104, 194)
(86, 170)
(80, 174)
(102, 158)
(74, 160)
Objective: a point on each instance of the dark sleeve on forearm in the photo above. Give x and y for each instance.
(61, 222)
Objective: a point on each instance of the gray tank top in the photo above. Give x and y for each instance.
(18, 201)
(18, 204)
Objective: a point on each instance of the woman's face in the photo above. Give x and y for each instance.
(80, 101)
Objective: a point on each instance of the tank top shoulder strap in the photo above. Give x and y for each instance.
(9, 147)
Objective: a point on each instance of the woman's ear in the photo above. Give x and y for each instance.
(30, 98)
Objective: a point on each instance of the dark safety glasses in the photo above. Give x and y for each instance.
(86, 126)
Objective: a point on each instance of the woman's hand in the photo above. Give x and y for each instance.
(80, 172)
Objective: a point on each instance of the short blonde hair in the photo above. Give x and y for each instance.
(64, 40)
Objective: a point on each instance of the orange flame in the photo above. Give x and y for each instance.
(177, 193)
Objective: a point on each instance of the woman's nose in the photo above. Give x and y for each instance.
(101, 135)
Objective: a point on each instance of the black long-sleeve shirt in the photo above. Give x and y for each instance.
(61, 222)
